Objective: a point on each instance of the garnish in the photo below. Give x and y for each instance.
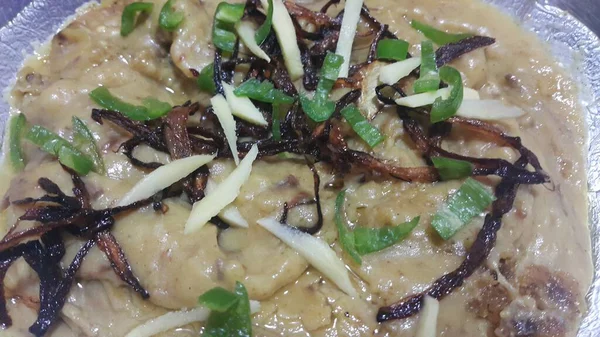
(84, 140)
(16, 129)
(320, 108)
(443, 109)
(389, 49)
(392, 73)
(164, 177)
(449, 169)
(233, 321)
(262, 91)
(129, 15)
(225, 116)
(428, 98)
(151, 109)
(169, 19)
(176, 319)
(218, 299)
(370, 240)
(206, 80)
(278, 115)
(363, 241)
(224, 194)
(286, 35)
(242, 107)
(487, 110)
(471, 199)
(367, 132)
(245, 31)
(439, 37)
(348, 30)
(226, 16)
(429, 79)
(264, 30)
(427, 326)
(316, 251)
(59, 147)
(345, 236)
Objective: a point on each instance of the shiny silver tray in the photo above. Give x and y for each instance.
(561, 23)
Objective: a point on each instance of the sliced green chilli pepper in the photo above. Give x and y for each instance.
(152, 108)
(450, 169)
(234, 321)
(226, 16)
(361, 126)
(17, 126)
(345, 236)
(370, 240)
(471, 199)
(84, 140)
(439, 37)
(66, 153)
(429, 80)
(389, 49)
(169, 19)
(264, 30)
(206, 80)
(262, 91)
(129, 14)
(319, 109)
(443, 109)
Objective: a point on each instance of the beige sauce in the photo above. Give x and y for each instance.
(541, 261)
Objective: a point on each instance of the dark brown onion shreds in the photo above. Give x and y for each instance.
(447, 53)
(476, 255)
(109, 245)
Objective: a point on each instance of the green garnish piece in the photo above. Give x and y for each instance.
(66, 153)
(206, 80)
(346, 237)
(370, 240)
(151, 109)
(319, 109)
(389, 49)
(226, 16)
(367, 132)
(439, 37)
(129, 15)
(429, 79)
(262, 91)
(84, 140)
(234, 321)
(264, 30)
(471, 199)
(443, 109)
(169, 19)
(16, 129)
(450, 169)
(218, 299)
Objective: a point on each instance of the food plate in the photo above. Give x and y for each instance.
(25, 23)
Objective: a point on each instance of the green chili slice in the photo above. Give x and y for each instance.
(443, 109)
(235, 321)
(206, 81)
(361, 126)
(450, 169)
(84, 140)
(66, 153)
(169, 19)
(429, 80)
(439, 37)
(218, 299)
(370, 240)
(264, 30)
(226, 16)
(16, 128)
(389, 49)
(262, 91)
(346, 237)
(319, 109)
(129, 15)
(471, 199)
(152, 108)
